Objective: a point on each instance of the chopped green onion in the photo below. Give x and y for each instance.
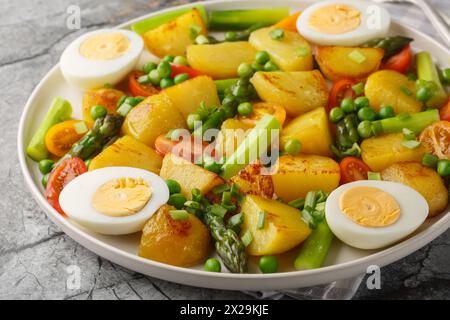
(201, 39)
(358, 88)
(124, 109)
(197, 195)
(373, 175)
(247, 238)
(430, 160)
(277, 34)
(405, 90)
(411, 144)
(235, 222)
(221, 189)
(261, 220)
(234, 189)
(179, 214)
(302, 52)
(194, 30)
(357, 56)
(80, 127)
(218, 210)
(297, 203)
(226, 198)
(408, 134)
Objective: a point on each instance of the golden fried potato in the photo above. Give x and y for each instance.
(422, 179)
(106, 97)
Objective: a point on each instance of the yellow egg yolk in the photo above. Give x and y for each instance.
(369, 207)
(335, 19)
(121, 197)
(105, 46)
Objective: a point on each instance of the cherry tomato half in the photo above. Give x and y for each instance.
(177, 69)
(400, 62)
(353, 169)
(61, 175)
(341, 89)
(140, 90)
(445, 111)
(184, 148)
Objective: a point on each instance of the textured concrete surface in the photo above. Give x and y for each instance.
(34, 253)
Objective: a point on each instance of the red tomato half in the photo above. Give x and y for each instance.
(177, 69)
(353, 169)
(400, 62)
(140, 90)
(61, 175)
(341, 89)
(185, 148)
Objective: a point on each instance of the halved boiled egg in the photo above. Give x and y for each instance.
(343, 22)
(100, 57)
(372, 214)
(114, 200)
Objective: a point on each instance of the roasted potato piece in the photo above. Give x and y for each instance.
(128, 152)
(298, 92)
(199, 89)
(295, 176)
(182, 243)
(312, 130)
(222, 60)
(188, 175)
(232, 133)
(106, 97)
(336, 62)
(283, 227)
(382, 151)
(173, 37)
(424, 180)
(153, 117)
(391, 88)
(253, 181)
(284, 53)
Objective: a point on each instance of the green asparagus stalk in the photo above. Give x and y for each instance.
(243, 19)
(315, 249)
(143, 26)
(391, 45)
(228, 245)
(426, 70)
(104, 130)
(415, 122)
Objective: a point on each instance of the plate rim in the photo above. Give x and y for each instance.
(199, 278)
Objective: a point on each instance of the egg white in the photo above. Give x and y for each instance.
(85, 73)
(75, 200)
(364, 32)
(413, 212)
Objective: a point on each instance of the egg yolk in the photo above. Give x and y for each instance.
(105, 46)
(121, 197)
(369, 207)
(335, 19)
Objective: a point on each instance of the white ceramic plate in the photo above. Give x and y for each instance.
(342, 261)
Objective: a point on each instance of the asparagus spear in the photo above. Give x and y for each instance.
(243, 19)
(102, 133)
(228, 245)
(426, 70)
(415, 122)
(391, 45)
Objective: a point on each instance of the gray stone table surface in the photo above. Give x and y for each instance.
(34, 253)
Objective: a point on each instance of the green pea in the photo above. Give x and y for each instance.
(270, 66)
(149, 66)
(262, 57)
(347, 105)
(174, 186)
(257, 66)
(212, 265)
(430, 160)
(211, 165)
(166, 83)
(177, 200)
(361, 102)
(154, 77)
(336, 115)
(293, 147)
(44, 180)
(230, 36)
(443, 168)
(365, 129)
(192, 120)
(245, 70)
(180, 61)
(424, 94)
(445, 75)
(182, 77)
(268, 264)
(168, 58)
(386, 112)
(164, 69)
(46, 166)
(98, 111)
(367, 113)
(245, 109)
